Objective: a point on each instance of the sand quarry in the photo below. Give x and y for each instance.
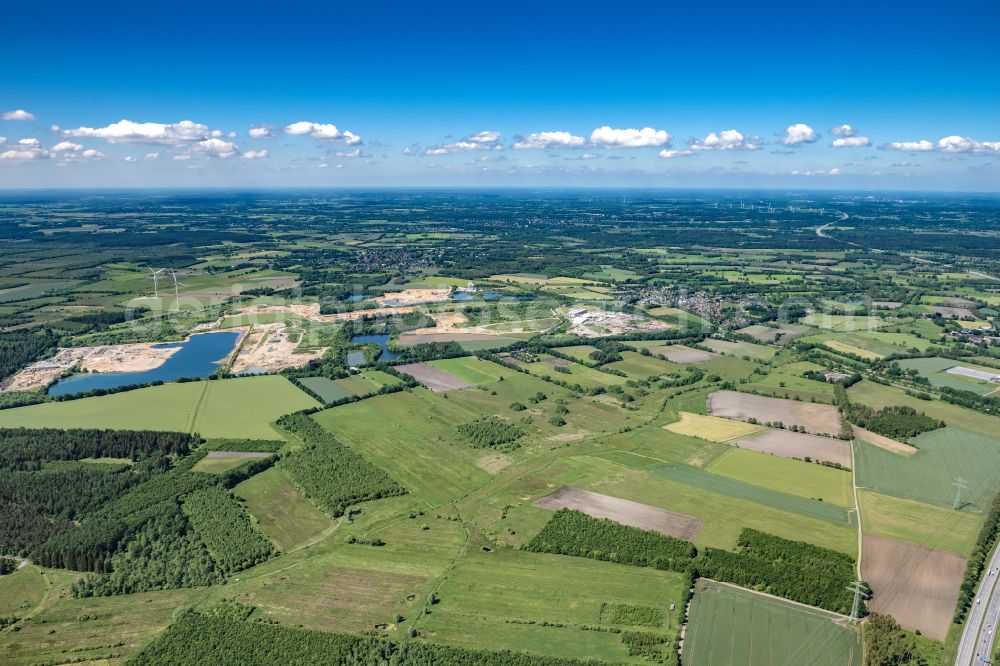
(271, 348)
(624, 511)
(105, 358)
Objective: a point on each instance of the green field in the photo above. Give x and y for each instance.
(879, 396)
(928, 475)
(740, 349)
(730, 626)
(795, 477)
(21, 591)
(725, 515)
(637, 366)
(751, 492)
(420, 453)
(471, 369)
(924, 524)
(242, 407)
(331, 390)
(287, 518)
(846, 323)
(503, 598)
(934, 367)
(578, 374)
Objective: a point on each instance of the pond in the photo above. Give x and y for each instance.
(198, 356)
(381, 340)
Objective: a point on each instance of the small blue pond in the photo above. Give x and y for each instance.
(357, 358)
(198, 356)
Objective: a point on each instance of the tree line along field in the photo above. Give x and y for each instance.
(233, 519)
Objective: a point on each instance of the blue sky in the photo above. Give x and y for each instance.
(505, 94)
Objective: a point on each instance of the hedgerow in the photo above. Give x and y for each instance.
(215, 640)
(224, 526)
(571, 532)
(331, 474)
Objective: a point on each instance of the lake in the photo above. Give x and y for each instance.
(381, 340)
(198, 356)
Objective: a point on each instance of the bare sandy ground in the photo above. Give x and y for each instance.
(816, 418)
(270, 348)
(799, 445)
(624, 511)
(681, 354)
(39, 374)
(883, 442)
(138, 357)
(436, 380)
(126, 358)
(916, 585)
(597, 324)
(414, 296)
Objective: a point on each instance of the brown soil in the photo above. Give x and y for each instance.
(815, 418)
(436, 380)
(624, 511)
(798, 445)
(916, 585)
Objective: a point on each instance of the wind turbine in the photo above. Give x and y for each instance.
(177, 295)
(156, 277)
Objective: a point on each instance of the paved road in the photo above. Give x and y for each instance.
(977, 637)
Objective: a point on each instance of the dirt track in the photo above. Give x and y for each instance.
(624, 511)
(815, 418)
(436, 380)
(799, 445)
(916, 585)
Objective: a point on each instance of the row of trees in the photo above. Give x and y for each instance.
(898, 422)
(330, 473)
(978, 560)
(30, 448)
(572, 532)
(791, 569)
(195, 639)
(223, 524)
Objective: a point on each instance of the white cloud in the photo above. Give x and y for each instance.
(254, 154)
(152, 156)
(260, 133)
(543, 140)
(131, 158)
(90, 153)
(3, 140)
(851, 142)
(347, 153)
(323, 131)
(726, 140)
(182, 158)
(959, 144)
(835, 171)
(216, 147)
(797, 134)
(410, 150)
(25, 150)
(670, 154)
(912, 146)
(485, 140)
(629, 138)
(17, 114)
(126, 131)
(843, 130)
(66, 146)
